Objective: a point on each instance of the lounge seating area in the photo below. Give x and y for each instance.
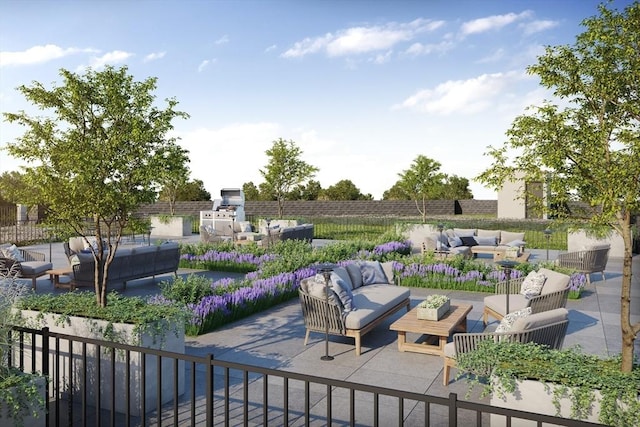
(361, 296)
(470, 242)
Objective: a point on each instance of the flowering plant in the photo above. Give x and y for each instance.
(434, 301)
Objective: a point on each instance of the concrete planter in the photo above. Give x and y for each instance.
(70, 377)
(175, 226)
(534, 396)
(29, 420)
(436, 314)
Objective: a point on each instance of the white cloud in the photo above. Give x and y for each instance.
(495, 56)
(110, 58)
(271, 48)
(37, 55)
(494, 22)
(417, 49)
(204, 64)
(222, 40)
(464, 96)
(538, 26)
(360, 40)
(154, 56)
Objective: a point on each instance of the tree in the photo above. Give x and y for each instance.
(190, 191)
(310, 191)
(456, 188)
(344, 190)
(173, 173)
(422, 182)
(395, 193)
(12, 186)
(250, 191)
(96, 156)
(285, 170)
(589, 149)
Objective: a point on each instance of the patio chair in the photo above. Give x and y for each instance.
(592, 260)
(208, 235)
(546, 328)
(554, 294)
(30, 265)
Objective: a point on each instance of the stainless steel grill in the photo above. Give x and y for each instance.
(226, 210)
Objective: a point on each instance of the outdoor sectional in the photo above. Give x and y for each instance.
(471, 241)
(374, 297)
(128, 264)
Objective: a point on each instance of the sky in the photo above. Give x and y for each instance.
(362, 87)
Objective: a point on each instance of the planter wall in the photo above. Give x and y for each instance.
(175, 226)
(531, 396)
(70, 377)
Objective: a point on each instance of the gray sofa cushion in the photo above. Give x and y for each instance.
(35, 268)
(508, 236)
(344, 275)
(372, 301)
(355, 275)
(555, 281)
(489, 233)
(372, 273)
(538, 320)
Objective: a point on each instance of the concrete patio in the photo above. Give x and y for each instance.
(274, 338)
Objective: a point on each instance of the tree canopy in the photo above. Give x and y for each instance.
(96, 154)
(586, 149)
(284, 171)
(421, 182)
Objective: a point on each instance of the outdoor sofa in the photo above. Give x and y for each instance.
(362, 295)
(469, 242)
(128, 264)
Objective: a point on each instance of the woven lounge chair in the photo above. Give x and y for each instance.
(554, 295)
(31, 265)
(547, 328)
(592, 260)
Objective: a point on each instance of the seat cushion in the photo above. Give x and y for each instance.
(498, 303)
(35, 268)
(372, 301)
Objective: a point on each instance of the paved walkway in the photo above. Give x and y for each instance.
(274, 338)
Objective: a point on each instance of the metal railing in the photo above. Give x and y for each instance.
(94, 382)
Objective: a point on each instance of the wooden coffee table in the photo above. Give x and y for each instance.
(55, 274)
(437, 332)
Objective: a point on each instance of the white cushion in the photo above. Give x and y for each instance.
(14, 253)
(507, 321)
(532, 284)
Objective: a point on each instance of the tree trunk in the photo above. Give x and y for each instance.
(629, 331)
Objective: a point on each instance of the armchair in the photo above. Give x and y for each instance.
(554, 294)
(30, 265)
(547, 328)
(592, 260)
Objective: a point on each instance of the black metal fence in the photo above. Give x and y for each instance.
(94, 382)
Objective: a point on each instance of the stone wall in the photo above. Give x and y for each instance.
(358, 208)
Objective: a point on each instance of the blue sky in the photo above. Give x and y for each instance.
(362, 87)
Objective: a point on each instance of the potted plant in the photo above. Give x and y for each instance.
(21, 393)
(577, 385)
(434, 307)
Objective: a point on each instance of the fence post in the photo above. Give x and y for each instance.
(209, 391)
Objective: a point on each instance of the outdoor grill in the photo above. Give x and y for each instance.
(226, 210)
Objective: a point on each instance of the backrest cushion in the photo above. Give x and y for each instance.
(316, 288)
(387, 267)
(507, 322)
(555, 281)
(342, 273)
(76, 244)
(13, 253)
(489, 233)
(538, 320)
(509, 236)
(372, 273)
(464, 232)
(355, 275)
(532, 284)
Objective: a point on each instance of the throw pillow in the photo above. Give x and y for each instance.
(468, 241)
(372, 272)
(454, 242)
(507, 321)
(14, 253)
(317, 289)
(355, 275)
(516, 243)
(343, 291)
(532, 284)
